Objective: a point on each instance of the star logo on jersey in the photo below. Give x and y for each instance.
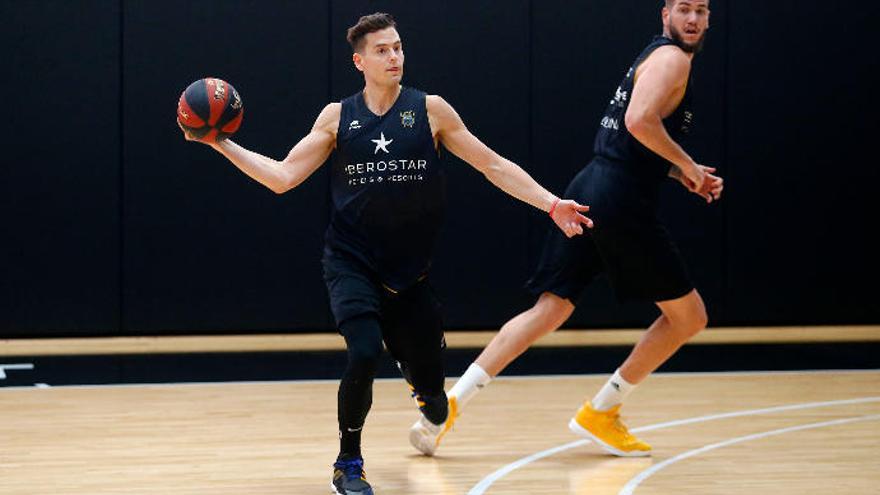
(381, 143)
(408, 118)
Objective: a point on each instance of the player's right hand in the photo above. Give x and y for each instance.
(712, 185)
(186, 134)
(190, 137)
(693, 177)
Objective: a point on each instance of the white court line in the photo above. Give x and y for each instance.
(676, 374)
(647, 473)
(14, 366)
(486, 482)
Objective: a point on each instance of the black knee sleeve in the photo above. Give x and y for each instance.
(364, 340)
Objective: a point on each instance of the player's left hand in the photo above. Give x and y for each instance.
(710, 189)
(568, 217)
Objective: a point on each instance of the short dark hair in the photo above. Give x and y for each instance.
(366, 25)
(670, 3)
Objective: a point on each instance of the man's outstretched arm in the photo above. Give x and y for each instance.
(305, 157)
(501, 172)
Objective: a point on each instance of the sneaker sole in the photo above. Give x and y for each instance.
(580, 430)
(337, 492)
(417, 440)
(428, 447)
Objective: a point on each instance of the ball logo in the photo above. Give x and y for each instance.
(236, 100)
(219, 89)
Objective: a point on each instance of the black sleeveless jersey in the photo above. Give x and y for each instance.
(615, 143)
(388, 189)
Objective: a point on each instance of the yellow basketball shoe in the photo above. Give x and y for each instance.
(608, 431)
(425, 436)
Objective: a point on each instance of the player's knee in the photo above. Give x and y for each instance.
(366, 354)
(697, 321)
(703, 320)
(364, 359)
(363, 338)
(684, 326)
(552, 310)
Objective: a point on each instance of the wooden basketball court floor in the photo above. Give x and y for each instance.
(713, 433)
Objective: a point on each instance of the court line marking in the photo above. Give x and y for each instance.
(14, 366)
(676, 374)
(647, 473)
(486, 482)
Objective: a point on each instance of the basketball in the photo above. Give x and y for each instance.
(210, 110)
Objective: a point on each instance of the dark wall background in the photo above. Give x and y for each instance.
(114, 225)
(61, 167)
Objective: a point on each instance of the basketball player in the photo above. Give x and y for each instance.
(635, 149)
(388, 204)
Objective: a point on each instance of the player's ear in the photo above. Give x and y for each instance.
(358, 61)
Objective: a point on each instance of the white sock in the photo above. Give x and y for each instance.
(471, 382)
(615, 390)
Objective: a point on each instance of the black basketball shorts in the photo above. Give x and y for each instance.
(628, 243)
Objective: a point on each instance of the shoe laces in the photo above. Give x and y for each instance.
(619, 426)
(352, 468)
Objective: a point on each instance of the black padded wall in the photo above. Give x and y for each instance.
(59, 270)
(205, 247)
(114, 225)
(802, 207)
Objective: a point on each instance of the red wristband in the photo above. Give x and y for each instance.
(553, 208)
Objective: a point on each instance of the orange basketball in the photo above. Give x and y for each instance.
(210, 110)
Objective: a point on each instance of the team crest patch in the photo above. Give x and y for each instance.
(408, 118)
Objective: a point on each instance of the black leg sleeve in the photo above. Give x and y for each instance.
(414, 336)
(363, 336)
